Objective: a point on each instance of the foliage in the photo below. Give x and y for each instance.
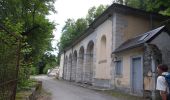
(74, 29)
(27, 19)
(48, 61)
(158, 6)
(136, 4)
(94, 12)
(71, 31)
(30, 15)
(27, 84)
(119, 1)
(8, 58)
(33, 70)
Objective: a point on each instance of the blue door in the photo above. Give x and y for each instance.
(137, 77)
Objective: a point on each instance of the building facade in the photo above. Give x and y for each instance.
(119, 50)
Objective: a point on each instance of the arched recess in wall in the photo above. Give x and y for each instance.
(80, 64)
(103, 49)
(65, 67)
(102, 71)
(74, 66)
(89, 62)
(69, 67)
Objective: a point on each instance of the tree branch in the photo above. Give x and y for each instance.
(11, 33)
(29, 30)
(3, 27)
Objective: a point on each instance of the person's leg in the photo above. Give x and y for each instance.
(168, 97)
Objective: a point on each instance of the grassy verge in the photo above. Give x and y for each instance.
(22, 95)
(44, 95)
(26, 85)
(25, 91)
(123, 96)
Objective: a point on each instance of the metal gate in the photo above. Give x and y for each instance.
(9, 64)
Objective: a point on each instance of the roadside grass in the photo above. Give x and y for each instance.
(22, 95)
(44, 95)
(27, 85)
(29, 90)
(123, 96)
(25, 90)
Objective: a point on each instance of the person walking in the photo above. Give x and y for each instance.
(162, 81)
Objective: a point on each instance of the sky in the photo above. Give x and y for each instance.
(71, 9)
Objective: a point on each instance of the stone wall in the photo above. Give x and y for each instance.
(152, 57)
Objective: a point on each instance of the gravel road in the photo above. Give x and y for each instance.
(63, 90)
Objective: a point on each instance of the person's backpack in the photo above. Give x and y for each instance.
(167, 78)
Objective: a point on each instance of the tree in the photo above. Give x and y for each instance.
(118, 1)
(30, 14)
(94, 12)
(158, 6)
(27, 18)
(50, 61)
(74, 29)
(136, 4)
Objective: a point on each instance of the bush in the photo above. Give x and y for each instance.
(33, 71)
(46, 69)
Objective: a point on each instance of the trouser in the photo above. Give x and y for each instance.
(168, 97)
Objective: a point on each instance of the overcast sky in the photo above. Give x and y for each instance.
(72, 9)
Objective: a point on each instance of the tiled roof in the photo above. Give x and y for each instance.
(139, 40)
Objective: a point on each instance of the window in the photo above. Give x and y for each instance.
(118, 67)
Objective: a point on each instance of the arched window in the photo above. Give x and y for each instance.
(103, 48)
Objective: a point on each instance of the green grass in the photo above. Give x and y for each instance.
(123, 96)
(25, 90)
(27, 85)
(22, 95)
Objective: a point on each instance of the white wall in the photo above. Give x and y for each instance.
(103, 67)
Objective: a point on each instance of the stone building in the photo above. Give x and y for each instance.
(119, 50)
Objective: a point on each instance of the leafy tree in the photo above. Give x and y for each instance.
(27, 18)
(94, 12)
(136, 4)
(74, 29)
(30, 14)
(50, 61)
(158, 6)
(118, 1)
